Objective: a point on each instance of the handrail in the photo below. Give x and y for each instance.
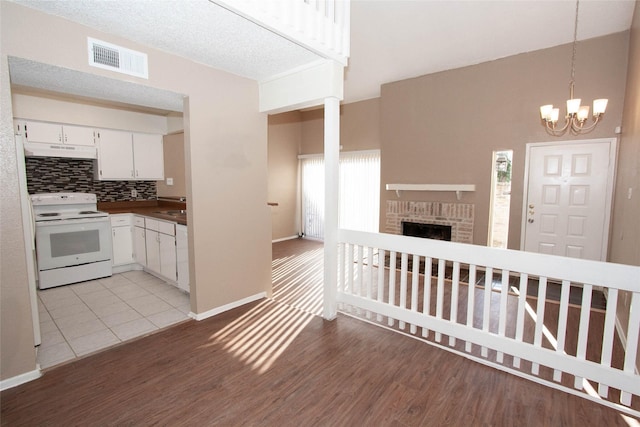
(494, 299)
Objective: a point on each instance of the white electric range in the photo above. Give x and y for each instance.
(73, 238)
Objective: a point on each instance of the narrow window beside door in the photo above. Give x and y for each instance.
(500, 199)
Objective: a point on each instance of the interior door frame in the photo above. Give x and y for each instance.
(611, 178)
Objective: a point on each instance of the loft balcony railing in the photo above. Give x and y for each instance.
(322, 26)
(546, 318)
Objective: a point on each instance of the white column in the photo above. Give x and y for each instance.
(331, 184)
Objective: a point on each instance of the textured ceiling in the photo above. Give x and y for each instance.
(196, 29)
(390, 39)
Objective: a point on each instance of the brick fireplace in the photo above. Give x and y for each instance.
(457, 215)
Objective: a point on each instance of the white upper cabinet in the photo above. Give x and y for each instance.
(148, 157)
(52, 133)
(129, 156)
(115, 156)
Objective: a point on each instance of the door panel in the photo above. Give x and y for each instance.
(115, 155)
(568, 197)
(77, 135)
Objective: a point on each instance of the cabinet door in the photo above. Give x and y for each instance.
(168, 256)
(152, 240)
(49, 133)
(115, 155)
(122, 245)
(78, 135)
(148, 156)
(140, 245)
(182, 257)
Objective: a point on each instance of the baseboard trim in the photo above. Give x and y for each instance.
(20, 379)
(227, 307)
(284, 238)
(126, 267)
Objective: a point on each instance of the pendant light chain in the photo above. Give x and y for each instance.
(573, 55)
(577, 115)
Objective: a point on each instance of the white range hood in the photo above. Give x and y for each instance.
(37, 149)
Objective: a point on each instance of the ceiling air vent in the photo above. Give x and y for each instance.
(116, 58)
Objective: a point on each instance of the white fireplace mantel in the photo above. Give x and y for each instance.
(458, 188)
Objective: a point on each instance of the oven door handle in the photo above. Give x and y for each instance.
(71, 221)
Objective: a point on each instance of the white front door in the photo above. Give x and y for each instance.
(568, 199)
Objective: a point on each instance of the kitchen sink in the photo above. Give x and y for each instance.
(177, 212)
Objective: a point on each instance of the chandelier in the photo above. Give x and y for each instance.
(577, 115)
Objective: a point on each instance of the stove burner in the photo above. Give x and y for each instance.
(49, 214)
(87, 212)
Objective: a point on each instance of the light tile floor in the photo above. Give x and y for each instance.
(82, 318)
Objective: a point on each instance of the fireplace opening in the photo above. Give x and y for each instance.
(428, 231)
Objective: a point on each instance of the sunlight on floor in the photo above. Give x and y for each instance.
(260, 336)
(297, 281)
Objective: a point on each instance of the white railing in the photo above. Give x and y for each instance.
(322, 26)
(502, 319)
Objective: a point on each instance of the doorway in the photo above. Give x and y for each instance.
(567, 200)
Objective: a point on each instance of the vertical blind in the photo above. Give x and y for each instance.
(313, 196)
(359, 187)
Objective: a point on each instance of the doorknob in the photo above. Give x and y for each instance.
(531, 206)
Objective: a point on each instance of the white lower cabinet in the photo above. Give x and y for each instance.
(182, 256)
(121, 239)
(160, 239)
(168, 266)
(160, 247)
(139, 243)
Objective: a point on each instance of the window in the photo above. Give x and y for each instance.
(359, 186)
(500, 199)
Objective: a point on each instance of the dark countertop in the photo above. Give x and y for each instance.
(148, 208)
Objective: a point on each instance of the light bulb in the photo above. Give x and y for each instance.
(599, 106)
(545, 112)
(573, 105)
(583, 113)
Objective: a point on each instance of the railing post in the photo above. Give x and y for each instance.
(331, 183)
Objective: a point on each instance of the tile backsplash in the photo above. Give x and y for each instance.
(53, 174)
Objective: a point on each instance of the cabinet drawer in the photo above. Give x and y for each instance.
(151, 224)
(120, 220)
(138, 221)
(167, 228)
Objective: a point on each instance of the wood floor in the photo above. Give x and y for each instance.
(270, 363)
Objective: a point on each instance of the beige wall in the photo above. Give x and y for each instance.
(285, 134)
(226, 157)
(417, 124)
(296, 133)
(624, 243)
(174, 167)
(625, 240)
(442, 128)
(17, 354)
(359, 129)
(55, 109)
